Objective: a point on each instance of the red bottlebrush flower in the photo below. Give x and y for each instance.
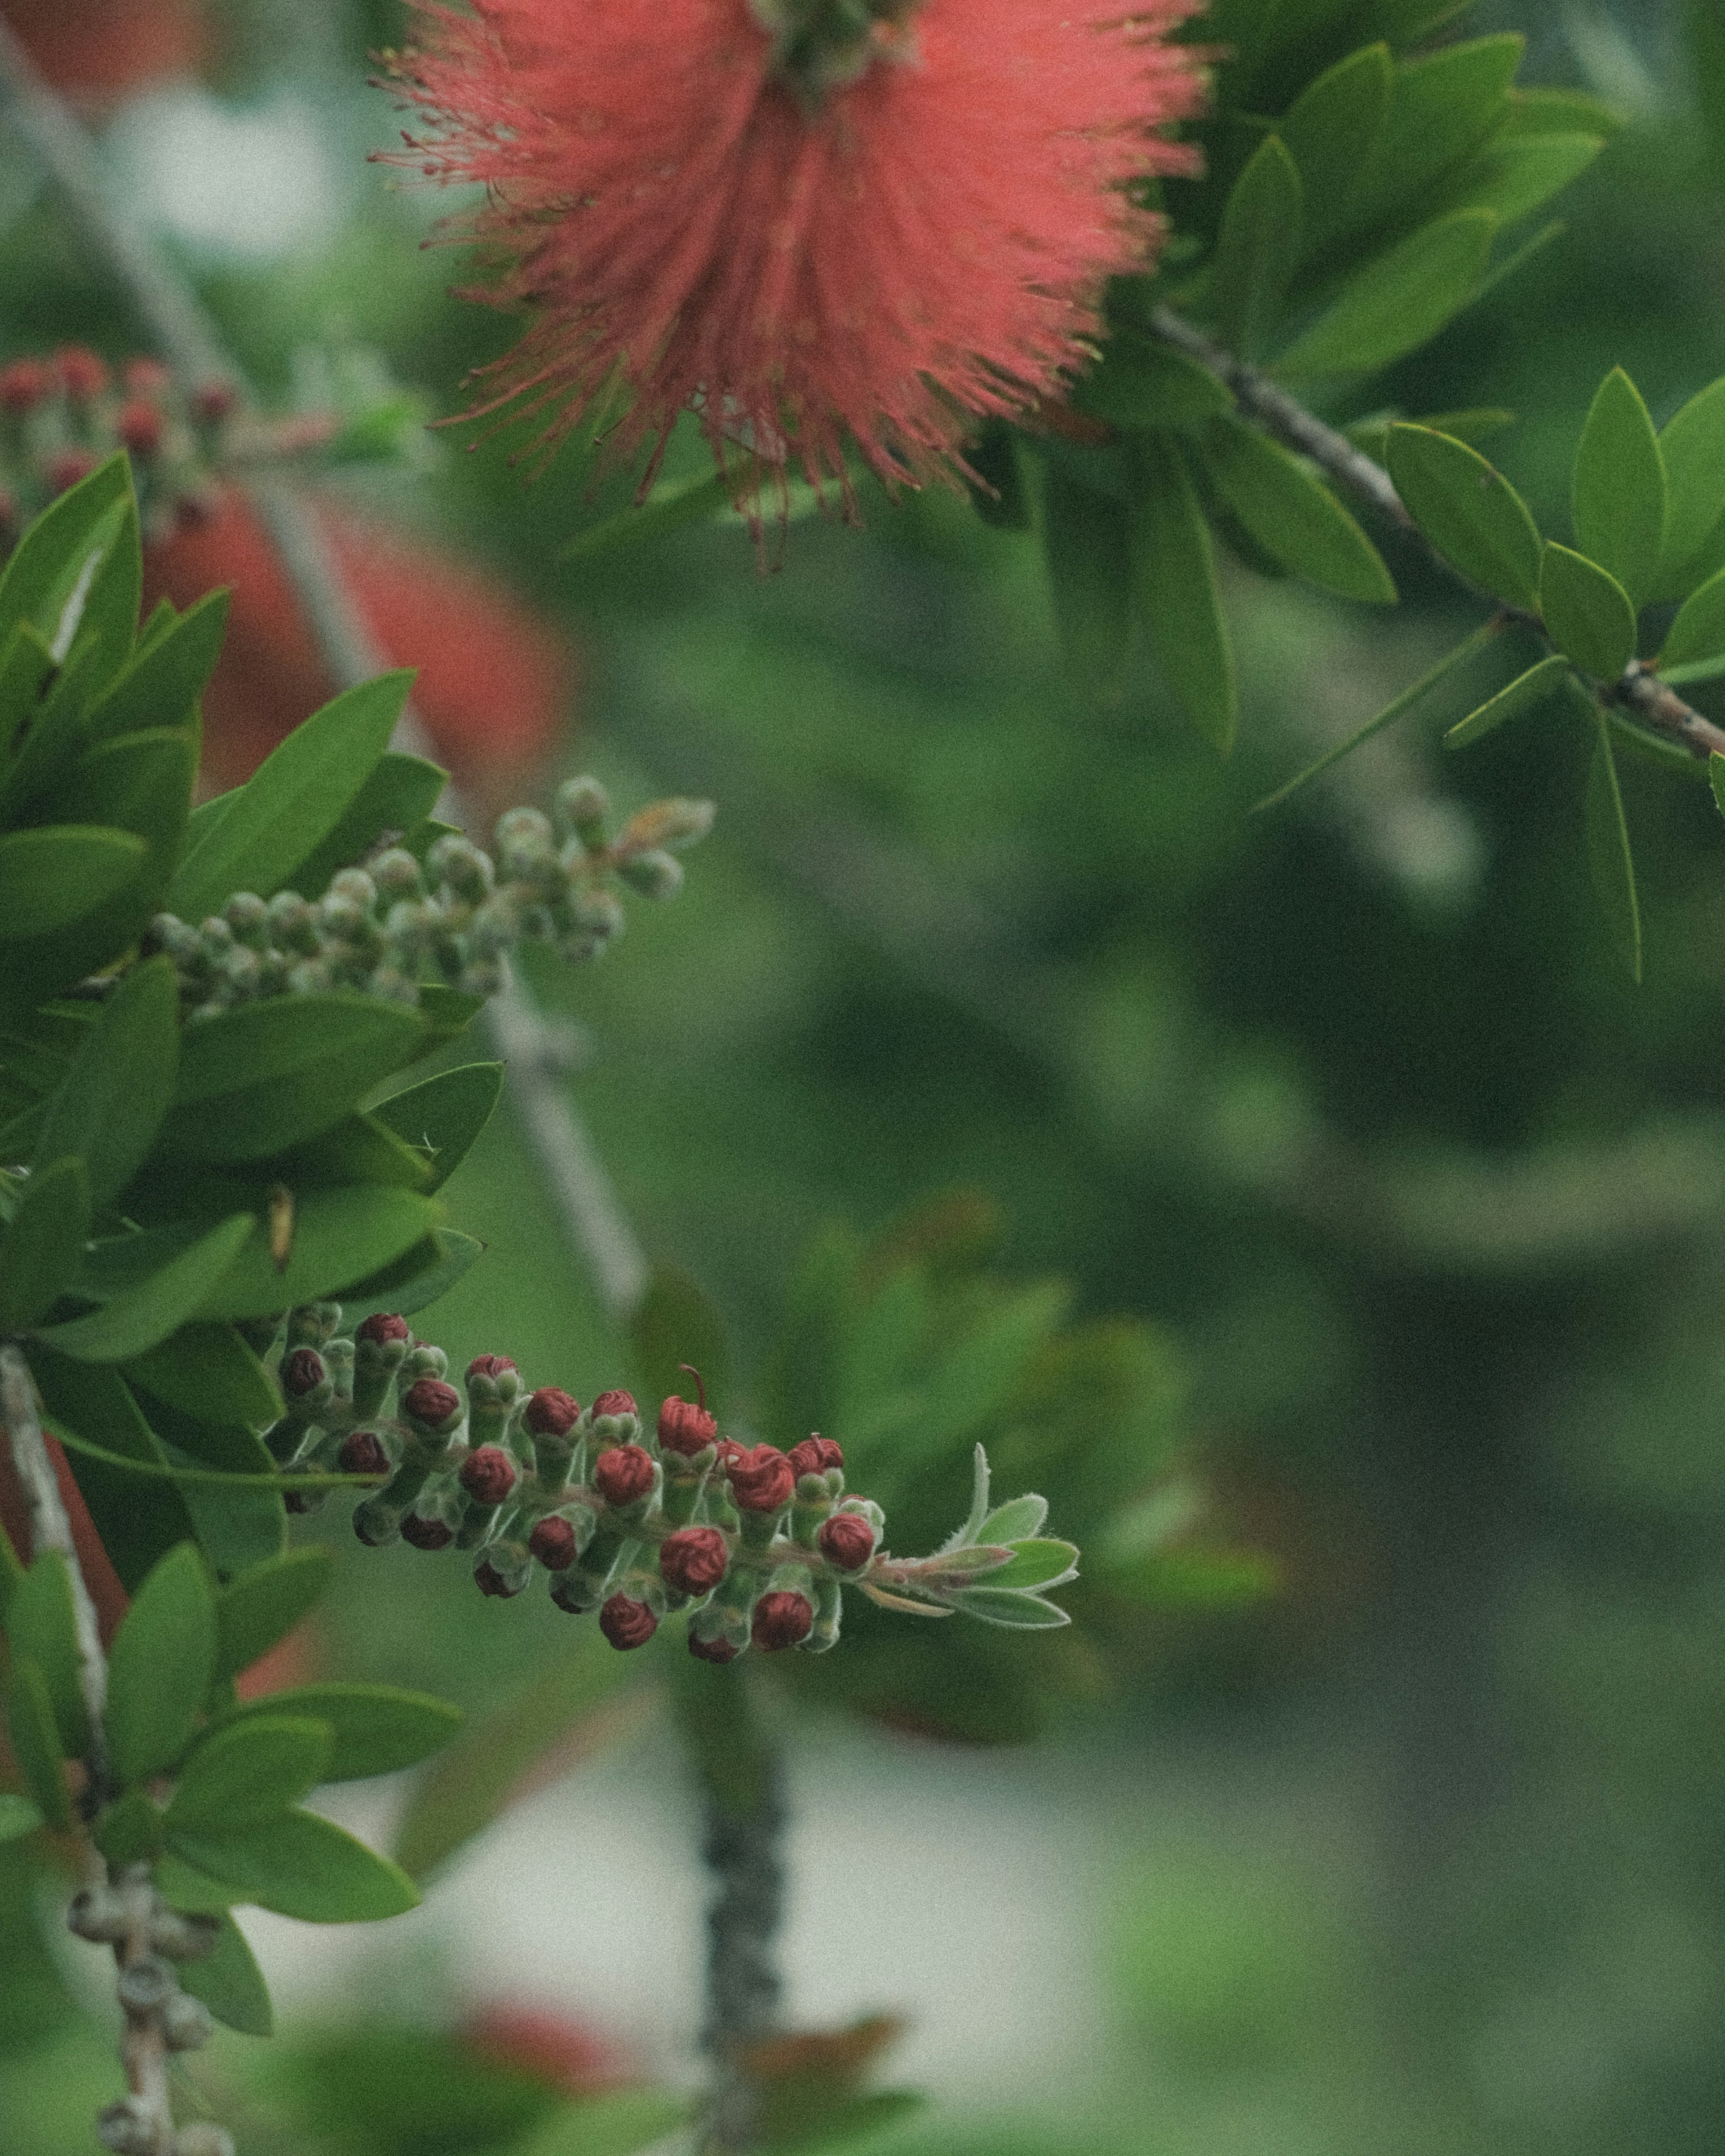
(383, 1328)
(488, 1475)
(551, 1413)
(489, 1366)
(140, 426)
(694, 1559)
(763, 1479)
(301, 1373)
(83, 374)
(685, 1428)
(431, 1402)
(564, 2053)
(495, 678)
(427, 1534)
(626, 1623)
(490, 1581)
(623, 1475)
(846, 1540)
(815, 1454)
(781, 1619)
(100, 50)
(23, 384)
(552, 1542)
(712, 1651)
(362, 1454)
(146, 377)
(615, 1402)
(803, 242)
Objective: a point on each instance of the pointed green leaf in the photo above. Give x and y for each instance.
(130, 1831)
(299, 1865)
(264, 1605)
(41, 1627)
(640, 2119)
(231, 1985)
(112, 1099)
(35, 1742)
(1618, 487)
(18, 1817)
(1332, 131)
(1587, 613)
(1293, 516)
(1174, 587)
(443, 1116)
(374, 1729)
(146, 1316)
(1443, 106)
(998, 491)
(339, 1236)
(1015, 1522)
(1141, 384)
(413, 1281)
(1399, 301)
(1259, 248)
(1038, 1563)
(43, 1245)
(1692, 449)
(1608, 852)
(1085, 544)
(245, 1773)
(159, 1666)
(1706, 49)
(1697, 635)
(401, 793)
(1514, 177)
(1521, 694)
(207, 1369)
(139, 1519)
(40, 562)
(1022, 1613)
(164, 681)
(1469, 511)
(55, 874)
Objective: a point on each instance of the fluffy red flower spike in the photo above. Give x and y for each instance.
(920, 244)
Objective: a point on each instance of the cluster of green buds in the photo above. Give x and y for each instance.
(632, 1519)
(385, 927)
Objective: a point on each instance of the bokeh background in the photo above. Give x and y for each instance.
(1422, 1203)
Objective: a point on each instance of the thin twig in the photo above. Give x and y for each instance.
(189, 339)
(1639, 690)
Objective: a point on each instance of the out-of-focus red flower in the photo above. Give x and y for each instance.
(495, 677)
(876, 243)
(555, 2048)
(98, 51)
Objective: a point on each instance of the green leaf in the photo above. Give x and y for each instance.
(1469, 511)
(231, 1985)
(1015, 1522)
(162, 684)
(1141, 383)
(1399, 301)
(266, 1076)
(112, 1102)
(1174, 587)
(299, 1865)
(417, 1279)
(401, 793)
(374, 1728)
(447, 1011)
(41, 560)
(264, 1605)
(443, 1116)
(1442, 108)
(146, 1316)
(18, 1817)
(35, 1742)
(239, 1522)
(25, 665)
(1607, 851)
(42, 1628)
(130, 1831)
(1023, 1613)
(1587, 613)
(1697, 635)
(804, 2114)
(291, 803)
(41, 1247)
(1332, 131)
(1259, 248)
(1618, 487)
(159, 1666)
(1292, 516)
(58, 873)
(1692, 449)
(1196, 1579)
(998, 491)
(1085, 542)
(1036, 1564)
(207, 1369)
(244, 1774)
(138, 1519)
(1521, 694)
(1542, 110)
(339, 1236)
(1513, 177)
(618, 2124)
(1707, 46)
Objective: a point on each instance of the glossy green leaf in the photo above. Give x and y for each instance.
(244, 1774)
(266, 1076)
(1608, 852)
(41, 1627)
(401, 793)
(1293, 515)
(1697, 635)
(1513, 177)
(291, 804)
(299, 1865)
(444, 1115)
(148, 1313)
(1469, 511)
(1706, 49)
(41, 1245)
(40, 562)
(18, 1817)
(231, 1985)
(207, 1369)
(55, 874)
(239, 1523)
(375, 1729)
(1400, 301)
(35, 1742)
(997, 490)
(621, 2123)
(417, 1279)
(1015, 1522)
(447, 1013)
(1542, 109)
(159, 1666)
(25, 665)
(139, 1519)
(339, 1236)
(1174, 587)
(113, 1099)
(264, 1605)
(163, 682)
(358, 1149)
(1692, 449)
(130, 1831)
(1332, 131)
(1618, 487)
(1259, 248)
(1442, 108)
(1141, 384)
(1196, 1579)
(1022, 1613)
(1085, 543)
(1036, 1564)
(1587, 613)
(1521, 694)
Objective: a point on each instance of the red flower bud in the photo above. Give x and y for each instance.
(301, 1373)
(490, 1581)
(712, 1651)
(615, 1404)
(815, 1454)
(427, 1534)
(552, 1542)
(762, 1479)
(782, 1620)
(489, 1366)
(846, 1540)
(141, 427)
(382, 1327)
(215, 400)
(551, 1413)
(685, 1428)
(623, 1474)
(729, 1450)
(82, 374)
(362, 1454)
(68, 469)
(147, 377)
(431, 1402)
(626, 1623)
(24, 385)
(488, 1475)
(694, 1559)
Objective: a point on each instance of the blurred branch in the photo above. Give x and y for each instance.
(189, 341)
(1639, 691)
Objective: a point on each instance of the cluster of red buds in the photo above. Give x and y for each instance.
(380, 929)
(631, 1519)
